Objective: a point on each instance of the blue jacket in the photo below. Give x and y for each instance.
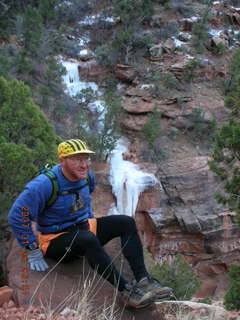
(67, 210)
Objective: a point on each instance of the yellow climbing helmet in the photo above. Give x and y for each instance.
(72, 146)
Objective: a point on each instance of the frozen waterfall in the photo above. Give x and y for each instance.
(72, 80)
(127, 181)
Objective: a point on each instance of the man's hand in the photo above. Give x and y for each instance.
(36, 260)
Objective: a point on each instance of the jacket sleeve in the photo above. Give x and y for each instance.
(26, 208)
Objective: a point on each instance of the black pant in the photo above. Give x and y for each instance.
(87, 244)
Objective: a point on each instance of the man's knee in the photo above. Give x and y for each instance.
(129, 224)
(87, 240)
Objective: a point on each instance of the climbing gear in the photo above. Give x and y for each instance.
(36, 260)
(150, 284)
(136, 298)
(47, 171)
(72, 146)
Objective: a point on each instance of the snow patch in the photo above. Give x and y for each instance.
(90, 20)
(214, 32)
(177, 42)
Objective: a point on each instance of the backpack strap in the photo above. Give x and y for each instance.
(55, 187)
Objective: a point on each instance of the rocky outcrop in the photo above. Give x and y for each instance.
(125, 73)
(166, 47)
(191, 222)
(184, 217)
(179, 108)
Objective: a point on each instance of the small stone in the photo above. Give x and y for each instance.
(11, 304)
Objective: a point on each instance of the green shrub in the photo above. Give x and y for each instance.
(152, 128)
(127, 38)
(156, 90)
(173, 133)
(170, 81)
(33, 31)
(232, 88)
(219, 49)
(226, 149)
(225, 155)
(200, 29)
(202, 130)
(27, 140)
(192, 70)
(179, 276)
(231, 298)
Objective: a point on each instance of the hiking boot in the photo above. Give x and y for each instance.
(137, 298)
(149, 284)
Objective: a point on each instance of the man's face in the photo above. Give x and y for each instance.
(75, 167)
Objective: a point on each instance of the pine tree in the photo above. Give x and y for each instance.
(101, 127)
(27, 140)
(232, 100)
(150, 132)
(231, 298)
(33, 31)
(226, 151)
(127, 38)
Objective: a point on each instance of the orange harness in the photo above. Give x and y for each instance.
(44, 239)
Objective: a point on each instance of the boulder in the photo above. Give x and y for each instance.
(125, 73)
(180, 66)
(5, 294)
(193, 310)
(156, 51)
(217, 41)
(169, 46)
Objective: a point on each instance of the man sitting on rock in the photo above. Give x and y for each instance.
(67, 227)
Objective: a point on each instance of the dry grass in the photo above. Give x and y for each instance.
(80, 304)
